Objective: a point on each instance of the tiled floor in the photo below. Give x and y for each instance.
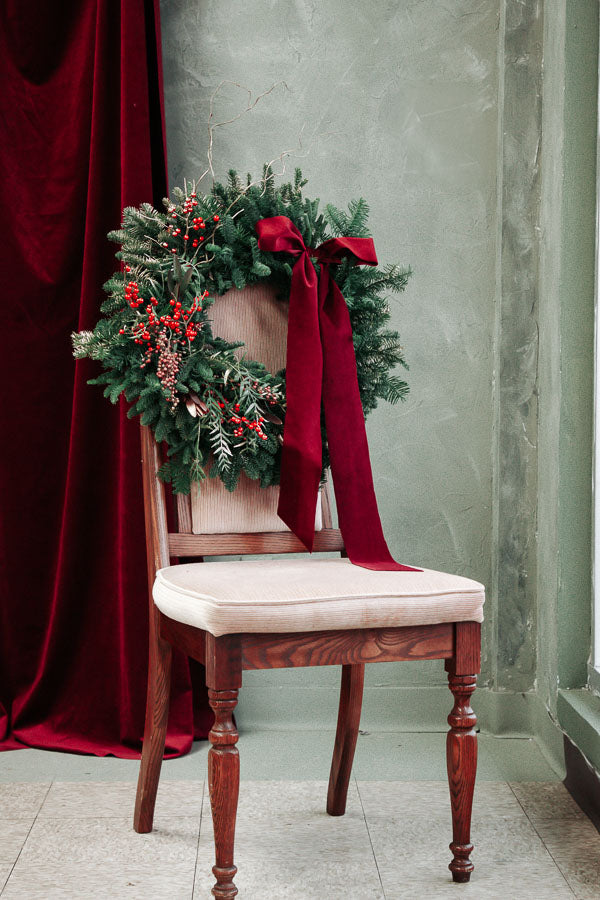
(72, 838)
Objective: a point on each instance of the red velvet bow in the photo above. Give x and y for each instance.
(321, 366)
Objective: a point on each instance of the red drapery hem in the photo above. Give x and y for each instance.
(83, 136)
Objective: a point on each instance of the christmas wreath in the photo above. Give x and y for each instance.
(218, 412)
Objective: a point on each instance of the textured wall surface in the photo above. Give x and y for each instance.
(399, 102)
(516, 346)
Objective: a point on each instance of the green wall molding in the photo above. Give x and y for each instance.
(566, 370)
(579, 716)
(399, 708)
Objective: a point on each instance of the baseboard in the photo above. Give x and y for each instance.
(418, 708)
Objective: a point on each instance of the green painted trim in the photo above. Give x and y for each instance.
(579, 716)
(417, 709)
(578, 225)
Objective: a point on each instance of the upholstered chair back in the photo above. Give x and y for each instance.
(256, 317)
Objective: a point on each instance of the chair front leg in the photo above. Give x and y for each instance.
(461, 743)
(224, 783)
(461, 757)
(353, 677)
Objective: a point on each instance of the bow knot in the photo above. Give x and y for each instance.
(321, 367)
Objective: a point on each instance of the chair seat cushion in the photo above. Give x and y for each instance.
(310, 595)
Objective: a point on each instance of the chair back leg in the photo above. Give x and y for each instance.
(461, 745)
(155, 730)
(353, 677)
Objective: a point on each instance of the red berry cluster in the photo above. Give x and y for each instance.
(132, 294)
(241, 421)
(180, 322)
(197, 224)
(189, 204)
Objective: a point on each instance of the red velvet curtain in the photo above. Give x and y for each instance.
(82, 136)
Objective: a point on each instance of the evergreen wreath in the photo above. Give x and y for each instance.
(220, 413)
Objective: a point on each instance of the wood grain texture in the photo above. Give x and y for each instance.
(155, 732)
(186, 638)
(461, 758)
(223, 661)
(352, 646)
(326, 516)
(467, 651)
(155, 509)
(241, 544)
(184, 513)
(224, 785)
(353, 678)
(160, 653)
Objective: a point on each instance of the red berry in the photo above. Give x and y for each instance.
(215, 218)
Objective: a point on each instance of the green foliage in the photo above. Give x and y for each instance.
(204, 415)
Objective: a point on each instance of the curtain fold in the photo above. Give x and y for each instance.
(83, 136)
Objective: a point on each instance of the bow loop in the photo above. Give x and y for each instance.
(335, 250)
(278, 234)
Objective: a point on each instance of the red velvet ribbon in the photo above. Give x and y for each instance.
(321, 366)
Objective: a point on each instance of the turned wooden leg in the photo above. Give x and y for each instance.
(223, 784)
(461, 756)
(155, 731)
(461, 744)
(353, 677)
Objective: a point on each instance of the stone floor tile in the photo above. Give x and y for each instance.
(22, 800)
(400, 799)
(286, 802)
(543, 800)
(99, 882)
(306, 860)
(88, 841)
(79, 857)
(5, 870)
(525, 882)
(13, 834)
(99, 799)
(574, 845)
(510, 859)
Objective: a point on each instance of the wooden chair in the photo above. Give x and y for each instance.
(234, 616)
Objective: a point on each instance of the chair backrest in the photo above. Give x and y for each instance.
(211, 521)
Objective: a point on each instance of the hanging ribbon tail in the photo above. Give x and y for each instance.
(321, 370)
(301, 454)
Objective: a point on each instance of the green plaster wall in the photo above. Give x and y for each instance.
(470, 128)
(397, 103)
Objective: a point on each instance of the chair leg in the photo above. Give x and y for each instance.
(461, 757)
(353, 677)
(223, 784)
(155, 731)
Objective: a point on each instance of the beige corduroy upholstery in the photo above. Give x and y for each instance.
(311, 595)
(250, 508)
(258, 318)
